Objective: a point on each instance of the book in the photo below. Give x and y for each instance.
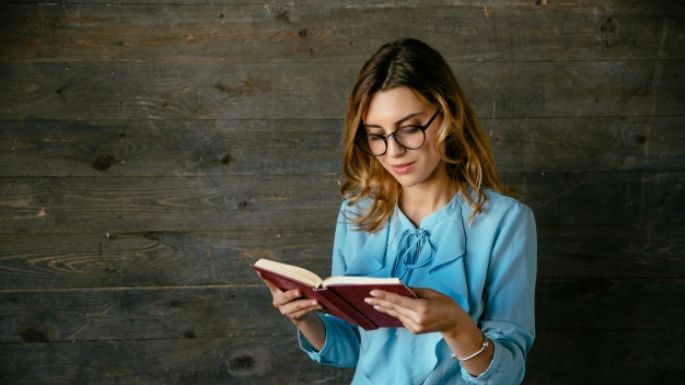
(341, 296)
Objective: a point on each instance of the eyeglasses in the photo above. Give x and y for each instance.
(408, 137)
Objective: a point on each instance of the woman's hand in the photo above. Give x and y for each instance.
(430, 312)
(436, 312)
(291, 304)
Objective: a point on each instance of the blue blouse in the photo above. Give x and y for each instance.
(487, 266)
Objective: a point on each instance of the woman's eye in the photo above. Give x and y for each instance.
(410, 130)
(374, 138)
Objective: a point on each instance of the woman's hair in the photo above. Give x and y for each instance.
(460, 141)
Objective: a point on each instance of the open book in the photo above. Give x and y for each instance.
(341, 296)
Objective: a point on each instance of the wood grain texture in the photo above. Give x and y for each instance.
(151, 259)
(606, 357)
(150, 150)
(178, 259)
(291, 90)
(130, 204)
(202, 32)
(305, 147)
(204, 312)
(169, 147)
(228, 360)
(276, 360)
(614, 251)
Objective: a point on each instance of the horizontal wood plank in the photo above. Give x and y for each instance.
(227, 360)
(286, 32)
(170, 147)
(276, 360)
(155, 258)
(63, 261)
(130, 204)
(612, 251)
(240, 311)
(318, 90)
(282, 147)
(167, 204)
(150, 150)
(603, 357)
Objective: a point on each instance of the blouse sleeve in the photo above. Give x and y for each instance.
(509, 315)
(341, 346)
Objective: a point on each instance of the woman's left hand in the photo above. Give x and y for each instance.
(430, 312)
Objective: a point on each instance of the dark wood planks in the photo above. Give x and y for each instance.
(148, 259)
(248, 360)
(291, 90)
(131, 204)
(44, 261)
(169, 147)
(150, 150)
(205, 312)
(301, 146)
(330, 32)
(600, 357)
(229, 360)
(274, 360)
(649, 251)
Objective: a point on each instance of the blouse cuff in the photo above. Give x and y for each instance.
(306, 346)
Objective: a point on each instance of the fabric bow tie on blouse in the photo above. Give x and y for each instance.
(413, 251)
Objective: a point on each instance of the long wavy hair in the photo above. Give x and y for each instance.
(460, 141)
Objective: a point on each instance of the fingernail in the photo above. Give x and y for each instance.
(373, 293)
(377, 307)
(313, 302)
(368, 300)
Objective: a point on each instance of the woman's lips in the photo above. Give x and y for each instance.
(403, 168)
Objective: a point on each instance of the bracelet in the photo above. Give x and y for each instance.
(483, 346)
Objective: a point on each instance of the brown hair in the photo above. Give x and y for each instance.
(460, 142)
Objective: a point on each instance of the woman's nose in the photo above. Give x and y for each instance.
(394, 149)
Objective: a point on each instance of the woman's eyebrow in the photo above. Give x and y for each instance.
(397, 123)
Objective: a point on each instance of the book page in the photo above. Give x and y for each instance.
(297, 273)
(352, 280)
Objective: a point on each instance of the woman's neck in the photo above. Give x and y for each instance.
(418, 202)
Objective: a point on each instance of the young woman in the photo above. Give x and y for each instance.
(424, 202)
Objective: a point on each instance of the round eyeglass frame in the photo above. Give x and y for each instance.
(393, 134)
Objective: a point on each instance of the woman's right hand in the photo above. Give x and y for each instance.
(300, 311)
(292, 305)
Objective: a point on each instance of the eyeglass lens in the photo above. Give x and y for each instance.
(410, 138)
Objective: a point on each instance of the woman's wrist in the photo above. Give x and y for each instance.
(469, 346)
(313, 330)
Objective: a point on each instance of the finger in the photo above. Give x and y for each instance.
(296, 306)
(396, 299)
(301, 313)
(407, 322)
(276, 291)
(405, 309)
(284, 297)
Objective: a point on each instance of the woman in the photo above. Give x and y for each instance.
(423, 202)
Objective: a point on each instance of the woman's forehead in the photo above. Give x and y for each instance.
(388, 106)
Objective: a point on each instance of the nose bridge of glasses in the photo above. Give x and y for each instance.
(394, 145)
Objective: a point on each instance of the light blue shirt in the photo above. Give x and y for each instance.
(487, 266)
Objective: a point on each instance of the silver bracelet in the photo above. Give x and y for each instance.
(483, 346)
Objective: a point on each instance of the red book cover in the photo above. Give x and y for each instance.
(341, 296)
(355, 294)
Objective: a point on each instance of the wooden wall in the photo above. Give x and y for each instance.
(150, 150)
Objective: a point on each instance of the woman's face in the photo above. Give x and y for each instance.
(394, 109)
